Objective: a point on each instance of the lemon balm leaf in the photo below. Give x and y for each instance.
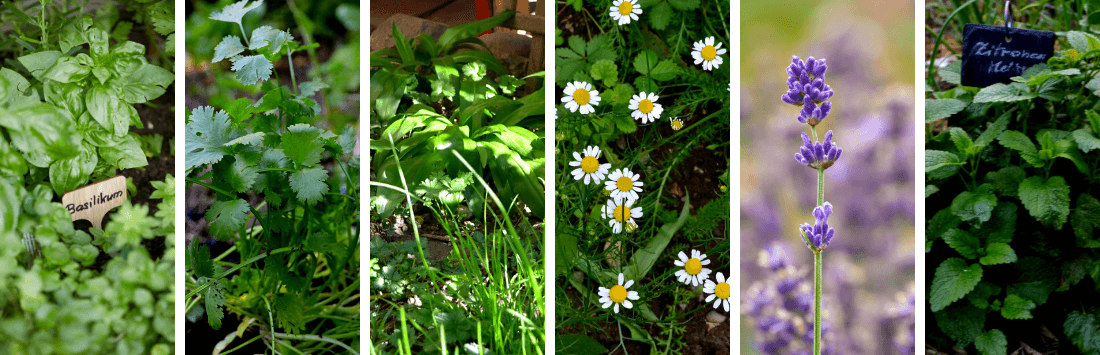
(953, 280)
(1047, 201)
(1017, 307)
(992, 342)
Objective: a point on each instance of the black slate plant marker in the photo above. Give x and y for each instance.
(994, 54)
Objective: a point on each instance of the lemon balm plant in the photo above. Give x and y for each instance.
(642, 204)
(286, 198)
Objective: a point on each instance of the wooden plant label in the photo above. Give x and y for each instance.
(92, 202)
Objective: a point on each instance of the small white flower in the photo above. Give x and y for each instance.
(618, 295)
(579, 94)
(623, 184)
(625, 10)
(677, 124)
(622, 215)
(693, 272)
(646, 107)
(707, 53)
(589, 166)
(721, 291)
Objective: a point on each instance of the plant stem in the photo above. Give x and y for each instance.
(820, 186)
(315, 338)
(817, 302)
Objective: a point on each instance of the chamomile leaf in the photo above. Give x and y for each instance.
(309, 184)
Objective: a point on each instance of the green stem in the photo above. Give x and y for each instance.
(820, 186)
(817, 302)
(315, 338)
(238, 267)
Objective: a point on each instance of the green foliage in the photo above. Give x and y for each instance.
(305, 177)
(1003, 200)
(1083, 330)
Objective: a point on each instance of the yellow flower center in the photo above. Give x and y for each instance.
(709, 52)
(622, 213)
(581, 96)
(676, 125)
(693, 266)
(624, 184)
(645, 106)
(589, 165)
(618, 293)
(626, 7)
(722, 290)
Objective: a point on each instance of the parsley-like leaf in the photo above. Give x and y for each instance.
(252, 69)
(207, 134)
(226, 217)
(235, 11)
(302, 144)
(310, 184)
(215, 300)
(229, 47)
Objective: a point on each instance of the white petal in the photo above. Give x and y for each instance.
(632, 295)
(621, 277)
(628, 283)
(627, 304)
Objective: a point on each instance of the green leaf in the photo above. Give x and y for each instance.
(1086, 140)
(953, 280)
(644, 259)
(265, 35)
(981, 294)
(993, 130)
(665, 70)
(456, 34)
(148, 82)
(998, 253)
(939, 109)
(161, 15)
(964, 243)
(1047, 201)
(1021, 143)
(1007, 180)
(645, 61)
(236, 174)
(474, 71)
(941, 222)
(229, 47)
(930, 189)
(684, 5)
(289, 309)
(1004, 93)
(1083, 330)
(234, 12)
(962, 323)
(992, 342)
(226, 218)
(977, 205)
(37, 63)
(578, 344)
(940, 164)
(302, 144)
(309, 184)
(206, 136)
(1001, 227)
(660, 15)
(214, 297)
(70, 69)
(1080, 40)
(644, 83)
(68, 174)
(1085, 219)
(962, 140)
(605, 70)
(252, 69)
(1016, 307)
(107, 109)
(42, 132)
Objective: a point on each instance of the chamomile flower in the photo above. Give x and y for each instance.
(625, 11)
(589, 165)
(618, 294)
(708, 53)
(579, 95)
(721, 291)
(645, 107)
(693, 273)
(622, 215)
(623, 184)
(677, 124)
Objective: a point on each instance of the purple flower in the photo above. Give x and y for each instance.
(781, 305)
(818, 155)
(806, 87)
(820, 234)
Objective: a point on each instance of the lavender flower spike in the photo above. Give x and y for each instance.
(818, 155)
(820, 234)
(806, 87)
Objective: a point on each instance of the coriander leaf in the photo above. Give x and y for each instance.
(252, 69)
(964, 243)
(939, 109)
(309, 184)
(199, 257)
(1021, 143)
(214, 297)
(236, 173)
(263, 36)
(302, 145)
(992, 342)
(254, 139)
(162, 17)
(288, 310)
(998, 253)
(207, 134)
(953, 280)
(1047, 201)
(962, 323)
(977, 205)
(229, 47)
(1083, 330)
(348, 139)
(226, 218)
(1016, 307)
(234, 12)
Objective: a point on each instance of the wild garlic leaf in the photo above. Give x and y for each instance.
(302, 145)
(235, 11)
(229, 47)
(206, 136)
(1046, 199)
(992, 342)
(226, 218)
(953, 280)
(252, 69)
(309, 184)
